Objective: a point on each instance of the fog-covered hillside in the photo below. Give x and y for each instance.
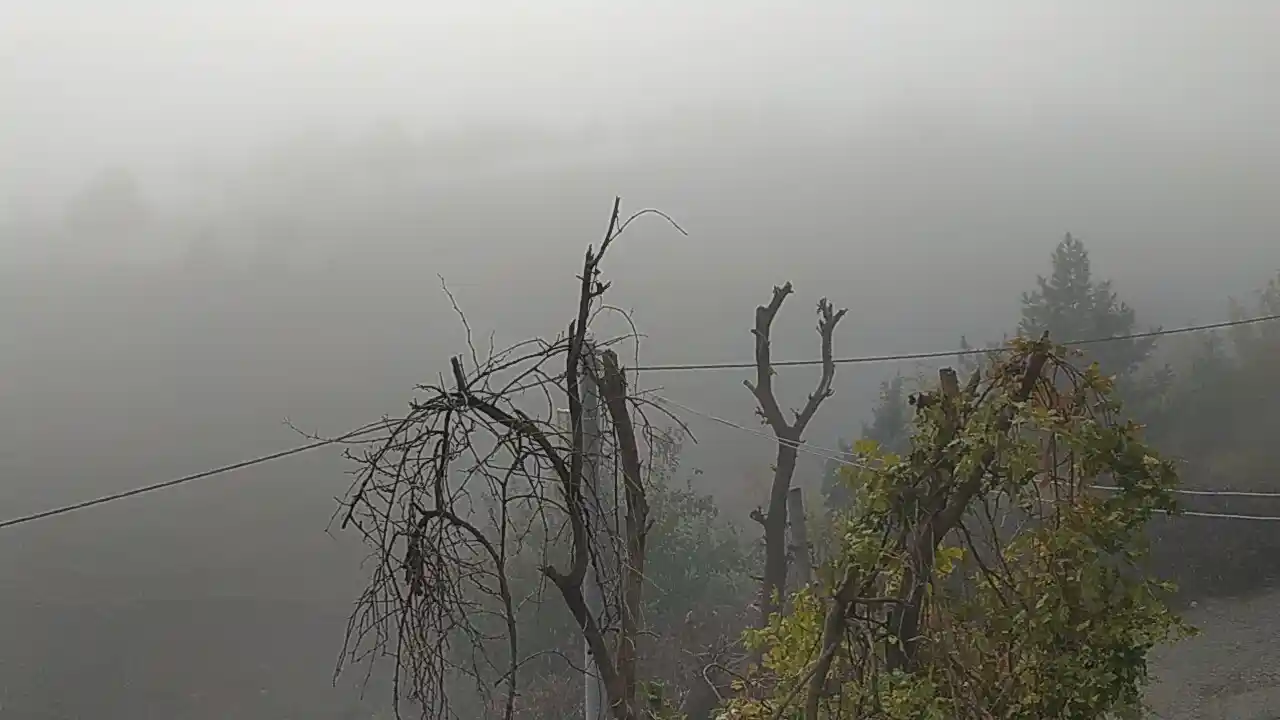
(218, 218)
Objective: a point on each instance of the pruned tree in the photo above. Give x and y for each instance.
(473, 475)
(789, 434)
(984, 574)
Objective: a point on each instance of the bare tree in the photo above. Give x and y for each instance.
(789, 433)
(473, 475)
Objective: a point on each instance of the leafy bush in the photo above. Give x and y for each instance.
(980, 574)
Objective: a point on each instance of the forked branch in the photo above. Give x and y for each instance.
(789, 434)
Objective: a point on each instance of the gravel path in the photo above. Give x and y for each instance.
(1231, 671)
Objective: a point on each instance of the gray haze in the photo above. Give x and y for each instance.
(304, 170)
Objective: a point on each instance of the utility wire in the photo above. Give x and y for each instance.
(364, 430)
(836, 457)
(840, 456)
(825, 453)
(1205, 493)
(1221, 516)
(959, 352)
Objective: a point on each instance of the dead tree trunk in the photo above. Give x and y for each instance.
(789, 435)
(614, 389)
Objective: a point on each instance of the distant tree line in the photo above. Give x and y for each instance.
(1209, 399)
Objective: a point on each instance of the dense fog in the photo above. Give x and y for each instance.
(216, 217)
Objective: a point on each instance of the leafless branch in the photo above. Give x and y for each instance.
(479, 472)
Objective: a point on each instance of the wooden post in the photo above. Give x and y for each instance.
(799, 537)
(596, 697)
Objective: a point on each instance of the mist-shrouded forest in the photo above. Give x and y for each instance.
(227, 228)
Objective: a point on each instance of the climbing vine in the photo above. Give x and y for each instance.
(990, 571)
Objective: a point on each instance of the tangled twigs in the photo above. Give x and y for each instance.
(478, 473)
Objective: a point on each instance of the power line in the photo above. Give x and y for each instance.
(835, 456)
(960, 352)
(816, 451)
(1220, 516)
(363, 430)
(1205, 493)
(824, 453)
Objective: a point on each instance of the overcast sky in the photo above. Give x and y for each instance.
(85, 83)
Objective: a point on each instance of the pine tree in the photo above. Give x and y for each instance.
(889, 420)
(889, 428)
(1071, 306)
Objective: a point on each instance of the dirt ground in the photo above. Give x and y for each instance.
(1231, 671)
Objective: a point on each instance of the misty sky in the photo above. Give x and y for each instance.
(85, 83)
(920, 156)
(854, 147)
